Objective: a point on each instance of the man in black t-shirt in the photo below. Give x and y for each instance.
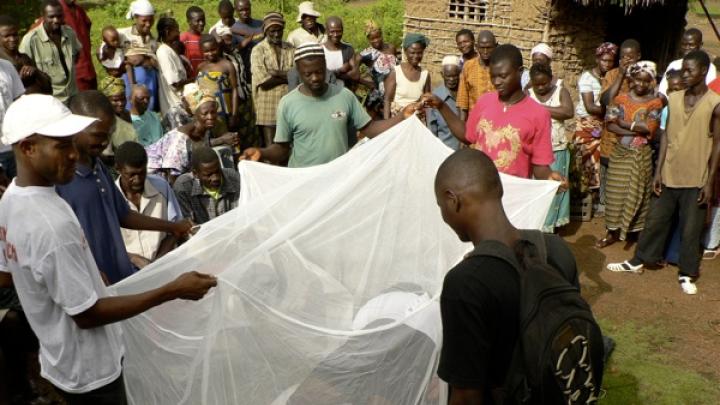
(480, 296)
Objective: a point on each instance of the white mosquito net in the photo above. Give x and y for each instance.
(328, 285)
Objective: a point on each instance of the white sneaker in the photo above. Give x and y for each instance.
(687, 285)
(625, 267)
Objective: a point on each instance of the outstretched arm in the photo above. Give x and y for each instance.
(107, 310)
(455, 123)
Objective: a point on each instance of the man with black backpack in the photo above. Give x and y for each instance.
(515, 328)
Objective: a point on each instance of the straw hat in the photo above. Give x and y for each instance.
(307, 8)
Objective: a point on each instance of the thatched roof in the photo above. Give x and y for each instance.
(627, 4)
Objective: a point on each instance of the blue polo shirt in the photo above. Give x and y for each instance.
(99, 206)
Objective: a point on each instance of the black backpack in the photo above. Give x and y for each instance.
(558, 358)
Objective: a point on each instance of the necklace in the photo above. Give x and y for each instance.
(507, 105)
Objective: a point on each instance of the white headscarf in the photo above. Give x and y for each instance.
(451, 60)
(543, 49)
(141, 8)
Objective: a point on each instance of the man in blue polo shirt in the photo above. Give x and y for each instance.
(98, 204)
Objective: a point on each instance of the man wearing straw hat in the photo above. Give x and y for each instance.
(310, 30)
(270, 62)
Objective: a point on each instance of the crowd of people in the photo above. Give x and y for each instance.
(102, 177)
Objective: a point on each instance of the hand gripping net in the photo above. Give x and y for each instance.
(329, 279)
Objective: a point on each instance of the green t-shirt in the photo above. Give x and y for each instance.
(317, 127)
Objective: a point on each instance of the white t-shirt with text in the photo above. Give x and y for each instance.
(55, 275)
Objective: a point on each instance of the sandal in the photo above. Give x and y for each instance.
(608, 240)
(710, 254)
(625, 267)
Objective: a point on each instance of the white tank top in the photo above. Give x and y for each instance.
(406, 91)
(559, 140)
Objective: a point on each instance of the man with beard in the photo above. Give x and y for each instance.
(313, 118)
(447, 93)
(55, 49)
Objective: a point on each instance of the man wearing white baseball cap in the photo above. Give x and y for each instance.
(310, 30)
(45, 255)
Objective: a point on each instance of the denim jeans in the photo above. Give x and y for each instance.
(658, 225)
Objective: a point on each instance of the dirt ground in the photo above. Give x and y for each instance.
(692, 323)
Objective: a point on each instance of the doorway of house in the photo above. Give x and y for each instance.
(658, 27)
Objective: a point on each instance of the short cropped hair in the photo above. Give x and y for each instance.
(131, 154)
(7, 21)
(193, 10)
(465, 31)
(203, 155)
(507, 52)
(700, 57)
(630, 43)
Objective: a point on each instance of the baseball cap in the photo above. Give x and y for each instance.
(43, 115)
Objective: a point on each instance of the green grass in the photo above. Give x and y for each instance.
(387, 13)
(640, 371)
(713, 7)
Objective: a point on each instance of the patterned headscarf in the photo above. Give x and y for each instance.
(644, 66)
(370, 27)
(111, 86)
(413, 38)
(606, 48)
(271, 19)
(195, 97)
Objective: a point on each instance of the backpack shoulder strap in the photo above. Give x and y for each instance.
(537, 238)
(493, 248)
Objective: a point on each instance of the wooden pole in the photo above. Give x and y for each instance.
(712, 23)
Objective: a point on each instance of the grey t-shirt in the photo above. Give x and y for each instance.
(317, 126)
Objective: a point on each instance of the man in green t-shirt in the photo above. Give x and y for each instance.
(312, 120)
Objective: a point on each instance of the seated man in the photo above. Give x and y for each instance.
(148, 195)
(146, 122)
(209, 190)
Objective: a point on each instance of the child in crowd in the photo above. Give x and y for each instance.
(217, 76)
(111, 54)
(191, 38)
(380, 58)
(226, 11)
